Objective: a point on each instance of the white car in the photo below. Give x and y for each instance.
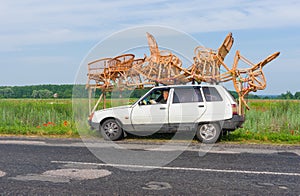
(205, 109)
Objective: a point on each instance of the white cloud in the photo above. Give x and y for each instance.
(40, 22)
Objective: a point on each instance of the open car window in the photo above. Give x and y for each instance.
(156, 96)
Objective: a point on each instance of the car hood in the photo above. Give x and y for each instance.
(113, 109)
(116, 108)
(120, 112)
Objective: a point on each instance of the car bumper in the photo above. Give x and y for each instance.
(93, 125)
(235, 122)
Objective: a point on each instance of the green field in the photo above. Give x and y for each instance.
(270, 121)
(274, 121)
(36, 117)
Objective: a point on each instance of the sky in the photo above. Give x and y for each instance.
(46, 41)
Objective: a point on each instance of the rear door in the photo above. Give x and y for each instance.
(217, 105)
(187, 106)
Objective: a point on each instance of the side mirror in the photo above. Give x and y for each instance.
(143, 102)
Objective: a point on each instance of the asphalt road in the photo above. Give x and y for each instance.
(68, 167)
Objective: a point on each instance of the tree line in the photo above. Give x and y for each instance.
(37, 91)
(79, 91)
(60, 91)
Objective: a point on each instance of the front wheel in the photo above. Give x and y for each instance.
(111, 130)
(208, 133)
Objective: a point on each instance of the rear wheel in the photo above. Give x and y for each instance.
(111, 130)
(208, 133)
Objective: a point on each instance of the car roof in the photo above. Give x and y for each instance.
(188, 85)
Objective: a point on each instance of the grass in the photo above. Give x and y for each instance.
(275, 121)
(48, 117)
(36, 117)
(267, 122)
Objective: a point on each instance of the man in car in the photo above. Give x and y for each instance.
(164, 98)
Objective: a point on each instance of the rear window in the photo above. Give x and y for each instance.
(187, 95)
(211, 94)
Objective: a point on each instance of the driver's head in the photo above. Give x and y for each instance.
(165, 94)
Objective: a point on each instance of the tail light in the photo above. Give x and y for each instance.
(234, 109)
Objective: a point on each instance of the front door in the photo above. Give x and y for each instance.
(151, 113)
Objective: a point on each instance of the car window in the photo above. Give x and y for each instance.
(187, 95)
(211, 94)
(156, 96)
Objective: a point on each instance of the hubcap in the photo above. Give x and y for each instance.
(111, 129)
(207, 131)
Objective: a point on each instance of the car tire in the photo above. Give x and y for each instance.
(111, 130)
(208, 133)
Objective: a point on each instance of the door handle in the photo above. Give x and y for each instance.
(201, 106)
(162, 108)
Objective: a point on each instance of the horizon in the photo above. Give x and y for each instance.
(251, 93)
